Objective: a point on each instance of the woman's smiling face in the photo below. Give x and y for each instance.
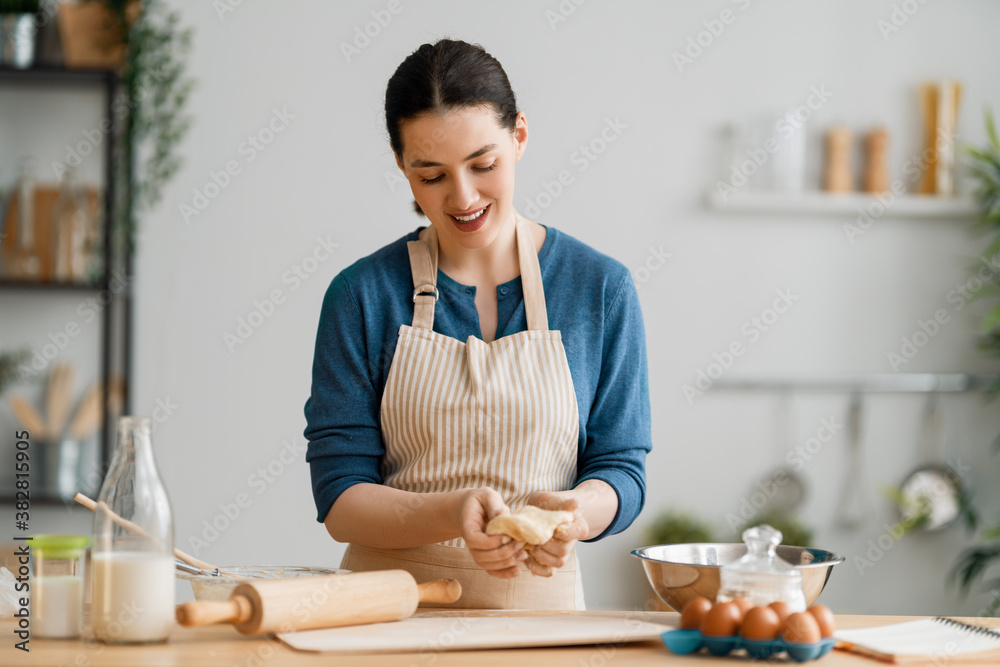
(460, 166)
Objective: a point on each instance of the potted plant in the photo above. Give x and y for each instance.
(9, 363)
(676, 527)
(154, 92)
(976, 563)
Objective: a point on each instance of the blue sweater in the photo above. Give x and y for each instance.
(590, 298)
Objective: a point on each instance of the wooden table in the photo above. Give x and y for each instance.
(221, 645)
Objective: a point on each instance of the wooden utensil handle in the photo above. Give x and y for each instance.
(442, 591)
(194, 614)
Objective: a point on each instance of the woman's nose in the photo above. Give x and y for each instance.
(463, 194)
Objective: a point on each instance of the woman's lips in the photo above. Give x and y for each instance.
(473, 224)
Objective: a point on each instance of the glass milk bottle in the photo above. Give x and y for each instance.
(133, 562)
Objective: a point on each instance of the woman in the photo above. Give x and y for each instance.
(441, 397)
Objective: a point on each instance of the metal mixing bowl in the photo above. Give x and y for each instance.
(680, 572)
(207, 587)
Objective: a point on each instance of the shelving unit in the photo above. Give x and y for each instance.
(846, 204)
(863, 383)
(115, 337)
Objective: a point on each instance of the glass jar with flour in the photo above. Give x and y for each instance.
(133, 562)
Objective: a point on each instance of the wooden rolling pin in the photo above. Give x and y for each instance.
(327, 601)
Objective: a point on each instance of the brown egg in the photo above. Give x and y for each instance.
(694, 612)
(734, 610)
(801, 628)
(782, 610)
(760, 624)
(824, 618)
(722, 620)
(744, 605)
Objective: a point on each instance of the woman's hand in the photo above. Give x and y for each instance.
(498, 555)
(555, 553)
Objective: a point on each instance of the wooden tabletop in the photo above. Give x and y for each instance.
(221, 645)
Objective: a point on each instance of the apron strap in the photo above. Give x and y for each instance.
(423, 266)
(531, 279)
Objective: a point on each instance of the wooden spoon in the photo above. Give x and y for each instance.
(138, 530)
(88, 414)
(28, 416)
(57, 398)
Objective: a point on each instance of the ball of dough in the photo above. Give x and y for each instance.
(530, 524)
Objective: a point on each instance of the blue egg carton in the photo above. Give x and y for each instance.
(683, 642)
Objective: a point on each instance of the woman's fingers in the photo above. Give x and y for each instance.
(536, 567)
(504, 562)
(503, 553)
(573, 531)
(549, 500)
(478, 508)
(555, 553)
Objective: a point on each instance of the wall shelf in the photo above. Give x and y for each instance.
(58, 75)
(848, 204)
(115, 319)
(863, 382)
(50, 286)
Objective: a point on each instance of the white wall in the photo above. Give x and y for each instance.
(325, 175)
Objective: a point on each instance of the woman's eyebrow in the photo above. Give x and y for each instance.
(417, 164)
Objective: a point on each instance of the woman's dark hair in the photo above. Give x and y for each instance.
(444, 76)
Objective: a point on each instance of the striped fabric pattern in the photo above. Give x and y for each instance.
(458, 415)
(461, 415)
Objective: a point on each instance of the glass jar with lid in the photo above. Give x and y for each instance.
(761, 576)
(57, 585)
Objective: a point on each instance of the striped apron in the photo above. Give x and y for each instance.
(458, 415)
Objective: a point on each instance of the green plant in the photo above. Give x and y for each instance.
(975, 562)
(793, 531)
(9, 362)
(985, 165)
(154, 92)
(675, 527)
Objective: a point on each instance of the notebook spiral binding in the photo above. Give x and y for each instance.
(968, 627)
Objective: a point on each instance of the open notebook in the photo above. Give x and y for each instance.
(941, 638)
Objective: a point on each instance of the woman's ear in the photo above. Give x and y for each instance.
(520, 135)
(399, 162)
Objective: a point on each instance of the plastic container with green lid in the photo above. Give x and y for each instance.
(57, 585)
